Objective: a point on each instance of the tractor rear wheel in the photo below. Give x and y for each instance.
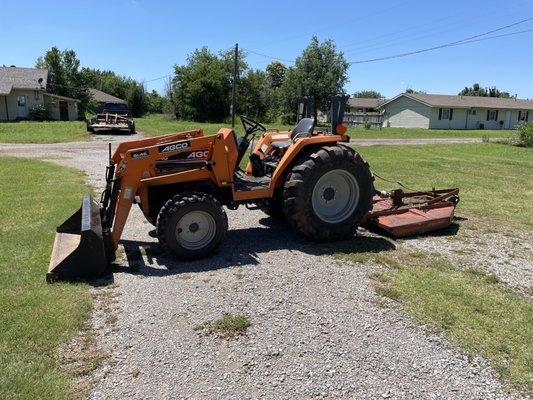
(328, 193)
(191, 225)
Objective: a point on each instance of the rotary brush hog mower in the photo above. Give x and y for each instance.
(181, 182)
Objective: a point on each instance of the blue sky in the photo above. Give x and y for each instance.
(144, 39)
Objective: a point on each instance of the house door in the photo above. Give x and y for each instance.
(63, 111)
(22, 109)
(507, 120)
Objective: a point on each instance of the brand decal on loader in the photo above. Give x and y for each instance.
(174, 147)
(198, 154)
(139, 154)
(189, 156)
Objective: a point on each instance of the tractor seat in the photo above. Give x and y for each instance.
(304, 128)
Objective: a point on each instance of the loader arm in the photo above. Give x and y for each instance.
(137, 169)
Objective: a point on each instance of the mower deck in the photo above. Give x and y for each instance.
(406, 214)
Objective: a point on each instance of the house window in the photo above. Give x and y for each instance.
(472, 111)
(21, 101)
(445, 113)
(523, 116)
(492, 115)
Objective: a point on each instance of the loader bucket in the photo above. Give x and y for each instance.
(79, 250)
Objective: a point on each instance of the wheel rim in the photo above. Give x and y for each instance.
(335, 196)
(195, 230)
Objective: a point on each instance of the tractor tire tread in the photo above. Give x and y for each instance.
(299, 186)
(174, 204)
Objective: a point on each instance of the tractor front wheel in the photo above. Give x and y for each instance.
(328, 193)
(191, 225)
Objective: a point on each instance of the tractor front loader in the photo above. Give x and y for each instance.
(181, 182)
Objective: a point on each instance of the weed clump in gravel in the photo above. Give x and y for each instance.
(227, 326)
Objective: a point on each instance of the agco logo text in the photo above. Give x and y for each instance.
(173, 147)
(199, 154)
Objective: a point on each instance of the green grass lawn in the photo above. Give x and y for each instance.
(157, 124)
(472, 309)
(35, 318)
(402, 133)
(42, 132)
(495, 180)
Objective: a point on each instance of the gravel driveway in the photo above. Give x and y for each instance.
(318, 328)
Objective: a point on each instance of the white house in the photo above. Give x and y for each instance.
(22, 89)
(362, 111)
(437, 111)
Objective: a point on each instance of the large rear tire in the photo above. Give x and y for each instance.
(191, 225)
(328, 193)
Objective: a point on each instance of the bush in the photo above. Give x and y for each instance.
(367, 125)
(39, 113)
(525, 134)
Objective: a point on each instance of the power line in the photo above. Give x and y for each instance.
(169, 75)
(470, 39)
(267, 56)
(451, 44)
(366, 45)
(156, 79)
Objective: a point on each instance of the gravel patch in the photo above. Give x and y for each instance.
(507, 253)
(318, 330)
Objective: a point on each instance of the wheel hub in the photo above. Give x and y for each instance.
(329, 194)
(335, 196)
(194, 227)
(195, 230)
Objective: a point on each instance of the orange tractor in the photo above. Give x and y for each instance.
(181, 182)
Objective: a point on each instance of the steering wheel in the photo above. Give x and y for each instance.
(251, 126)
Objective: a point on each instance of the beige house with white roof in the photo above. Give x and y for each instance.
(437, 111)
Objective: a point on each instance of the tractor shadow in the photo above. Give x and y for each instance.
(242, 247)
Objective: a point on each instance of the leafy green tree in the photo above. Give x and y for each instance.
(410, 90)
(108, 82)
(477, 90)
(137, 100)
(319, 72)
(64, 76)
(155, 102)
(276, 72)
(252, 98)
(368, 94)
(201, 87)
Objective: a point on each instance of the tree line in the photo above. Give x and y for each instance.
(67, 78)
(200, 89)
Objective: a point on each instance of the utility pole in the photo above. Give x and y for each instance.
(235, 74)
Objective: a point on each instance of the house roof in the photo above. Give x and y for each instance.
(21, 78)
(56, 96)
(102, 97)
(451, 101)
(356, 102)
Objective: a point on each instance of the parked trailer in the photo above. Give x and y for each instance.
(113, 117)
